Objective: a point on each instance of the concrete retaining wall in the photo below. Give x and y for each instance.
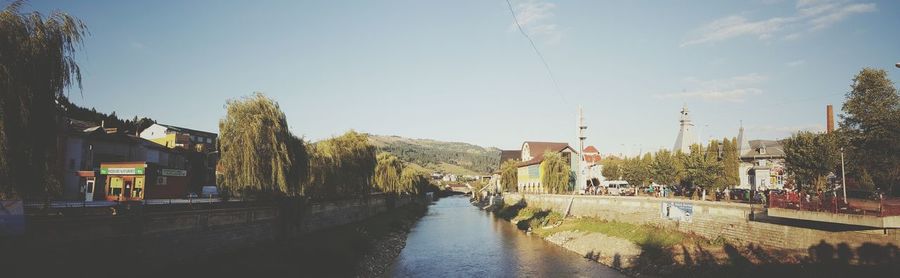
(710, 220)
(145, 238)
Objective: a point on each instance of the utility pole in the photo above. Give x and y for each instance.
(843, 176)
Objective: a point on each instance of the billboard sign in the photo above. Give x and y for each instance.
(677, 211)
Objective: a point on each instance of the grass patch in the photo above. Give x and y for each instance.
(642, 235)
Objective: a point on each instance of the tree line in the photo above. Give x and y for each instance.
(260, 157)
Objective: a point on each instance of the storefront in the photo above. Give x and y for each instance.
(132, 181)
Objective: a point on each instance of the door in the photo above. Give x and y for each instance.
(129, 185)
(89, 190)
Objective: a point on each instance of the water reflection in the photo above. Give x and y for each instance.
(456, 239)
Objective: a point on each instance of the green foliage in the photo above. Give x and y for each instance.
(341, 167)
(555, 172)
(131, 126)
(871, 124)
(643, 235)
(638, 170)
(415, 182)
(388, 172)
(809, 157)
(702, 168)
(509, 175)
(256, 149)
(437, 156)
(37, 64)
(612, 168)
(731, 162)
(664, 168)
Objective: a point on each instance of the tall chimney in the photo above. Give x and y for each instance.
(829, 117)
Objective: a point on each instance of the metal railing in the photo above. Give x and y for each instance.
(834, 204)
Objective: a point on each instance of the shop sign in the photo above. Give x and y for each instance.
(121, 171)
(174, 172)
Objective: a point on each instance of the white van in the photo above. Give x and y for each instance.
(620, 188)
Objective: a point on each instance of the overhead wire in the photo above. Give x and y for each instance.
(538, 52)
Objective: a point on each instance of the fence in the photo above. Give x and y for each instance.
(835, 204)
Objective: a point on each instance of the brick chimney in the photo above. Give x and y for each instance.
(829, 117)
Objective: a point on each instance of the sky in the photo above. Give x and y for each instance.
(462, 71)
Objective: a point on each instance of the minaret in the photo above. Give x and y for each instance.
(686, 136)
(582, 127)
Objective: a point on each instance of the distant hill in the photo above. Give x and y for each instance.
(438, 156)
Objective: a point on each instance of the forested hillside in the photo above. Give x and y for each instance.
(438, 156)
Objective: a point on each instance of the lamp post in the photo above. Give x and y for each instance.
(843, 176)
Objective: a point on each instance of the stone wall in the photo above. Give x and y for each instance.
(711, 220)
(159, 235)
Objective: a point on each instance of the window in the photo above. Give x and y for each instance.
(161, 180)
(209, 140)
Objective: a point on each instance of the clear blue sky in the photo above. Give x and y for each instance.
(460, 71)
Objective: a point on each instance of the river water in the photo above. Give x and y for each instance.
(456, 239)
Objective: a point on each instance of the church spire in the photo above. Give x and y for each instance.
(686, 136)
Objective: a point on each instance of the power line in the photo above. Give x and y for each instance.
(538, 52)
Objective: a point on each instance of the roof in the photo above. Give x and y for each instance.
(591, 149)
(774, 149)
(537, 150)
(188, 130)
(510, 154)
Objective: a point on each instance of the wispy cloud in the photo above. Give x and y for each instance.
(536, 18)
(809, 15)
(796, 63)
(732, 89)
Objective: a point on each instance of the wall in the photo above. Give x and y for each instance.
(162, 235)
(710, 220)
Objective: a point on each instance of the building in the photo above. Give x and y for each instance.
(532, 154)
(762, 163)
(134, 181)
(686, 137)
(505, 155)
(174, 136)
(85, 146)
(592, 163)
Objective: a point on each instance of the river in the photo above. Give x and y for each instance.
(456, 239)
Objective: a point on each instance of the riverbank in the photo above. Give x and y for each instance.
(361, 249)
(648, 250)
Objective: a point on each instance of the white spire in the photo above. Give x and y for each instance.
(686, 136)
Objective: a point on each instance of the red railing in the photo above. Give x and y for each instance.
(834, 204)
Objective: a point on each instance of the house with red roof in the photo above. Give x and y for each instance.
(532, 154)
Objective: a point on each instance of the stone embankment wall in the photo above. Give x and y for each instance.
(711, 220)
(146, 236)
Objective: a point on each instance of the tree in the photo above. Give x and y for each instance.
(612, 168)
(388, 173)
(555, 172)
(664, 168)
(414, 182)
(646, 164)
(810, 157)
(731, 162)
(256, 149)
(714, 156)
(37, 64)
(509, 175)
(341, 167)
(871, 124)
(701, 169)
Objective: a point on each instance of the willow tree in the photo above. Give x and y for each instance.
(388, 172)
(414, 182)
(555, 172)
(37, 65)
(256, 148)
(341, 167)
(509, 175)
